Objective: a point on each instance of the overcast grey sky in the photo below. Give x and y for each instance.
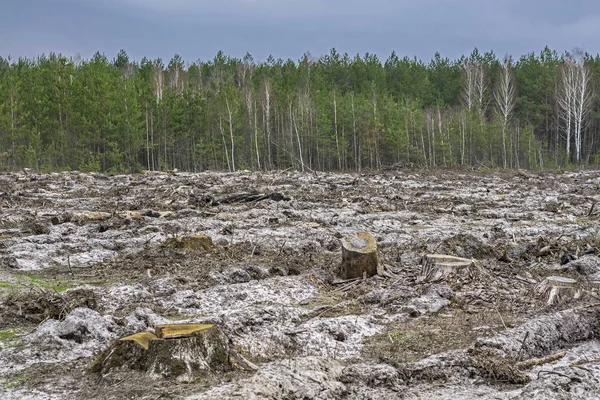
(197, 29)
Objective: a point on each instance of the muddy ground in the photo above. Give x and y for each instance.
(83, 261)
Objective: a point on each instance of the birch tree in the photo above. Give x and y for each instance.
(267, 100)
(469, 78)
(574, 99)
(505, 96)
(159, 83)
(566, 99)
(583, 104)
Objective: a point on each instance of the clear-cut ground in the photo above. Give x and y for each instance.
(85, 259)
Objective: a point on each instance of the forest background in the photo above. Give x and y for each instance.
(336, 112)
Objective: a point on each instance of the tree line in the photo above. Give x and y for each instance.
(333, 113)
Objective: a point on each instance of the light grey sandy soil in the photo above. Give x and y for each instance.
(83, 263)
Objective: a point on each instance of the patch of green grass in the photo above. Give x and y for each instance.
(7, 334)
(14, 382)
(30, 280)
(61, 287)
(398, 337)
(8, 338)
(9, 285)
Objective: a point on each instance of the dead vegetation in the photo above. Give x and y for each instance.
(38, 304)
(410, 341)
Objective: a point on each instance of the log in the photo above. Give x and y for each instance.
(183, 352)
(359, 256)
(438, 267)
(558, 289)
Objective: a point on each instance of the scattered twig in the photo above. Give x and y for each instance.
(344, 281)
(573, 378)
(501, 319)
(69, 264)
(281, 248)
(591, 208)
(329, 309)
(350, 285)
(522, 345)
(148, 241)
(585, 361)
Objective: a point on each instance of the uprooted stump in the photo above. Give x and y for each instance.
(184, 352)
(438, 267)
(558, 289)
(359, 256)
(196, 242)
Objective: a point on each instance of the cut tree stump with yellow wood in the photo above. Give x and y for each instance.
(359, 256)
(184, 352)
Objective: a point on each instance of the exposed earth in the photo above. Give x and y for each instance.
(85, 260)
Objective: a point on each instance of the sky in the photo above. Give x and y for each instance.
(198, 29)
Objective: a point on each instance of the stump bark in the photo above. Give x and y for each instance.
(184, 352)
(438, 267)
(558, 289)
(359, 256)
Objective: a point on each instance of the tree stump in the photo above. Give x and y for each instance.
(438, 267)
(184, 352)
(359, 256)
(558, 289)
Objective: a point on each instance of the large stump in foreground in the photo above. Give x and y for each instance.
(359, 256)
(184, 352)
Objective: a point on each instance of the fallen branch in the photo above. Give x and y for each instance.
(540, 361)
